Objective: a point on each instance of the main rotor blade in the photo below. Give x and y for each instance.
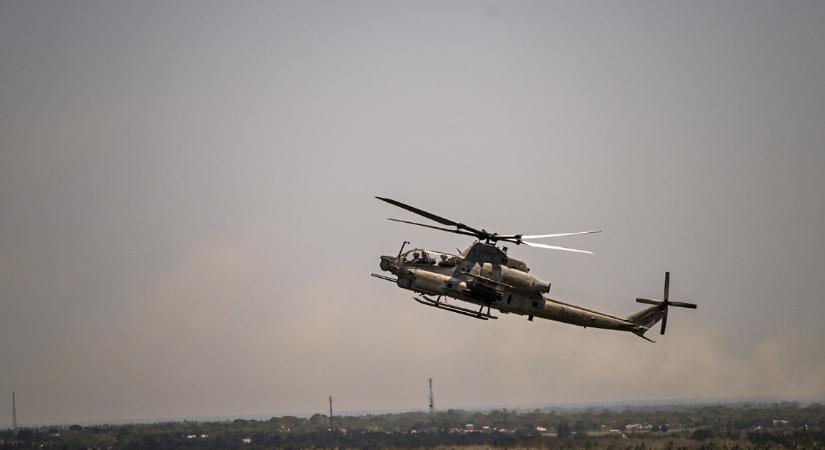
(541, 236)
(555, 247)
(449, 230)
(430, 216)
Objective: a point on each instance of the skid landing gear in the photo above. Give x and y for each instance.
(424, 300)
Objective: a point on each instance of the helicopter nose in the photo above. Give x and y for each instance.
(387, 262)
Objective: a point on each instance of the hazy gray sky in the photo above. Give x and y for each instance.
(187, 223)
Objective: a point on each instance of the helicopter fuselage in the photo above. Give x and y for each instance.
(485, 276)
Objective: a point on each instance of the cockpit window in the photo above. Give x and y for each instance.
(415, 257)
(430, 258)
(444, 260)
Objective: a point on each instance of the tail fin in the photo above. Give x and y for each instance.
(648, 317)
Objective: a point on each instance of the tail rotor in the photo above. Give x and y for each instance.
(665, 303)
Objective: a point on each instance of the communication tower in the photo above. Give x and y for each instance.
(432, 400)
(13, 412)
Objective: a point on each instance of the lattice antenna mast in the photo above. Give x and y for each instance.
(13, 412)
(432, 400)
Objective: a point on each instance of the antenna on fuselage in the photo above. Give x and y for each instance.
(402, 248)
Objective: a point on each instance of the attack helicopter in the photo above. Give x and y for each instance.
(485, 275)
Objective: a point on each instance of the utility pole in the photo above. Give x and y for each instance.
(330, 413)
(13, 412)
(432, 401)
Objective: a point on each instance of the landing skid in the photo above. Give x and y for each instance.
(424, 300)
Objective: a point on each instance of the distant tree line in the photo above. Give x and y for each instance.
(777, 425)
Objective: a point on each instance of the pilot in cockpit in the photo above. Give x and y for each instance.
(446, 261)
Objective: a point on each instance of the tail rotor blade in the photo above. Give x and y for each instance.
(667, 285)
(683, 305)
(648, 301)
(664, 320)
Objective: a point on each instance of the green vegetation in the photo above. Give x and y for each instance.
(741, 426)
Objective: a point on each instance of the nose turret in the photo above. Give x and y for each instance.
(388, 264)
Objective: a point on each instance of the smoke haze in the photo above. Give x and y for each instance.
(187, 222)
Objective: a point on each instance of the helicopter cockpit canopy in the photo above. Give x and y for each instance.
(425, 257)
